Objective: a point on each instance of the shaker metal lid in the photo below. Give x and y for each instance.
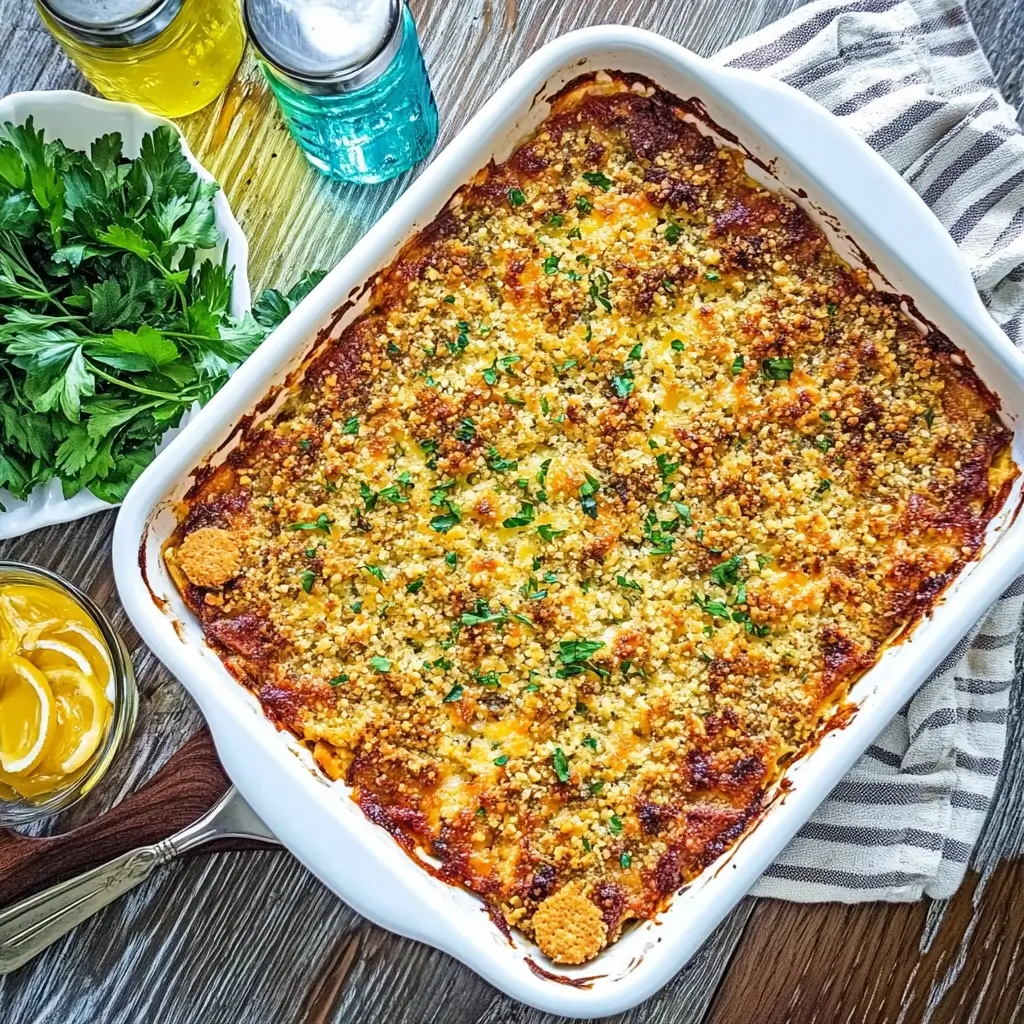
(326, 45)
(113, 22)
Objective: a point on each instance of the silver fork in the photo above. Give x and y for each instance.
(32, 924)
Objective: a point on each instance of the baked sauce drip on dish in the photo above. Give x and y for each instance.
(588, 522)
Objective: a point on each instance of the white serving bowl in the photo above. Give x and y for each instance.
(77, 120)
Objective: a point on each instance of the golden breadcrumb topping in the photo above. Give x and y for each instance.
(561, 550)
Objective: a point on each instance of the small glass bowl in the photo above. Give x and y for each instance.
(22, 810)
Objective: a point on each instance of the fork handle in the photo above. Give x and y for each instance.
(28, 927)
(181, 791)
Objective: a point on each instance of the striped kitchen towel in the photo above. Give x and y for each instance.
(910, 78)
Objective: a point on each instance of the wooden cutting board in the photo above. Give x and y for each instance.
(187, 785)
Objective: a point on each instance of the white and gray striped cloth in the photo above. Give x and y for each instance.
(910, 78)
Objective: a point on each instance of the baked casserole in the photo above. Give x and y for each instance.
(562, 550)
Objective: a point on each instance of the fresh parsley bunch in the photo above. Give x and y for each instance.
(112, 324)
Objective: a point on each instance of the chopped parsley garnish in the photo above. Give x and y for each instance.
(551, 265)
(712, 275)
(716, 609)
(501, 365)
(659, 532)
(516, 197)
(379, 664)
(589, 741)
(549, 533)
(499, 761)
(351, 425)
(375, 571)
(393, 494)
(450, 299)
(622, 384)
(777, 368)
(672, 233)
(929, 417)
(728, 572)
(438, 495)
(575, 658)
(824, 443)
(444, 522)
(628, 584)
(831, 308)
(429, 449)
(454, 694)
(338, 680)
(486, 678)
(584, 205)
(635, 353)
(498, 464)
(322, 523)
(308, 579)
(466, 430)
(677, 345)
(598, 180)
(305, 444)
(560, 764)
(482, 614)
(574, 232)
(824, 484)
(615, 825)
(556, 220)
(525, 517)
(825, 417)
(600, 281)
(665, 467)
(737, 365)
(451, 559)
(625, 860)
(414, 586)
(587, 499)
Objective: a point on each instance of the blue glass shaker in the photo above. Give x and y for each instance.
(350, 80)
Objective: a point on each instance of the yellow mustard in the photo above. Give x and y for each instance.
(170, 56)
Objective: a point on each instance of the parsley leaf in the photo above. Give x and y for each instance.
(322, 523)
(114, 320)
(779, 368)
(548, 533)
(598, 180)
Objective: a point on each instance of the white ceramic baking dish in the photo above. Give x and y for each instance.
(841, 182)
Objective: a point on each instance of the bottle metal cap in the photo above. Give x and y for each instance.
(112, 23)
(326, 46)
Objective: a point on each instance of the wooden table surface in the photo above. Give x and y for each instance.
(252, 938)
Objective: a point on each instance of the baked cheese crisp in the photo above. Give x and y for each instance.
(582, 530)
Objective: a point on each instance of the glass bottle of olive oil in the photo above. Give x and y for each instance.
(170, 56)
